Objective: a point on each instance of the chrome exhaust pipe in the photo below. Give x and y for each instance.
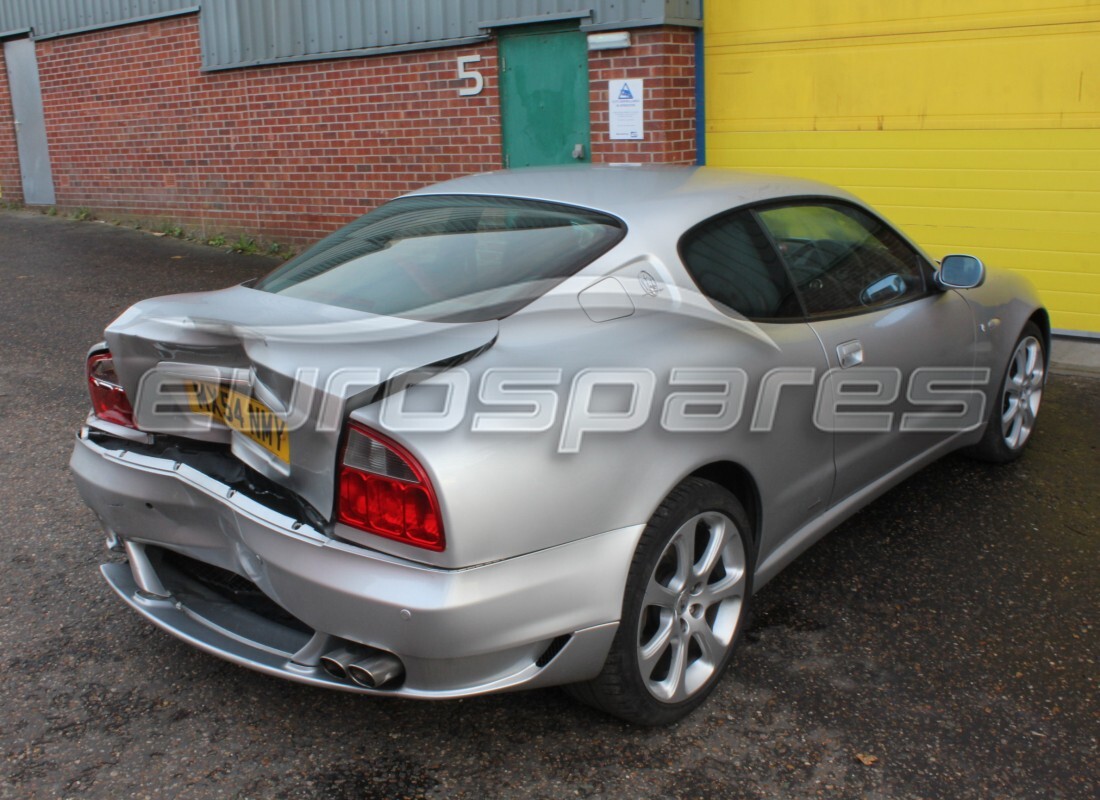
(337, 662)
(376, 670)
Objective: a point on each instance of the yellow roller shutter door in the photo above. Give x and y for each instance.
(974, 125)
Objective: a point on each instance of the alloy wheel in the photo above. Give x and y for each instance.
(692, 606)
(1023, 390)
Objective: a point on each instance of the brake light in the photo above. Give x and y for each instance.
(385, 491)
(109, 401)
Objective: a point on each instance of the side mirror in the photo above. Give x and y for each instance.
(960, 272)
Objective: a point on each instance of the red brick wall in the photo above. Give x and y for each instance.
(665, 58)
(291, 152)
(287, 152)
(11, 184)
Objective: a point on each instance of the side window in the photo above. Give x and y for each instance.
(844, 260)
(734, 265)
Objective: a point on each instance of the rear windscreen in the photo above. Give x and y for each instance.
(448, 258)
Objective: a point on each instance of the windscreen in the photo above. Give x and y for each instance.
(462, 258)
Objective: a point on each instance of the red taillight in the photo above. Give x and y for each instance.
(384, 490)
(109, 399)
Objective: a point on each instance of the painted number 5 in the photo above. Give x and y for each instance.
(465, 74)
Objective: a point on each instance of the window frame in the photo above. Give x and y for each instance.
(925, 265)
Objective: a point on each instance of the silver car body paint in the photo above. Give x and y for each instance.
(240, 329)
(538, 540)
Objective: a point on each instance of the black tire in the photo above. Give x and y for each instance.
(701, 611)
(1021, 383)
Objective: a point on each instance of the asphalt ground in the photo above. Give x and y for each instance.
(941, 644)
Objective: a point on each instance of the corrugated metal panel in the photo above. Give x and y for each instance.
(237, 33)
(53, 17)
(976, 129)
(683, 11)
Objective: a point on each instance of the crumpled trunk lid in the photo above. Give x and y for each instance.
(307, 363)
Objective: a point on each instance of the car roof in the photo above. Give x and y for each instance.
(683, 195)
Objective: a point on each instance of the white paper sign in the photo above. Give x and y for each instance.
(625, 107)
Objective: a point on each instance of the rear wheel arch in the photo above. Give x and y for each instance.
(739, 482)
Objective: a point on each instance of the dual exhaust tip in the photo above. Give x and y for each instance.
(373, 669)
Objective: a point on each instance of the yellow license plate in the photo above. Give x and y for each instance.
(242, 413)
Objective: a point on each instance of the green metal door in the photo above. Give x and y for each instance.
(544, 96)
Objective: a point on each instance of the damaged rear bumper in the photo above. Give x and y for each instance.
(540, 619)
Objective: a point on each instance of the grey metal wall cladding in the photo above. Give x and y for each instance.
(237, 33)
(53, 17)
(684, 11)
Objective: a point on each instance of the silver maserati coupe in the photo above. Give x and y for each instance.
(538, 427)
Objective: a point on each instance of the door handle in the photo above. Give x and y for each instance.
(578, 150)
(850, 354)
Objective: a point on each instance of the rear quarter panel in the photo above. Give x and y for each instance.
(505, 494)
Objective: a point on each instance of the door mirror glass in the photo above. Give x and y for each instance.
(960, 272)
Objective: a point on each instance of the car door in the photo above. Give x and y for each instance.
(900, 351)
